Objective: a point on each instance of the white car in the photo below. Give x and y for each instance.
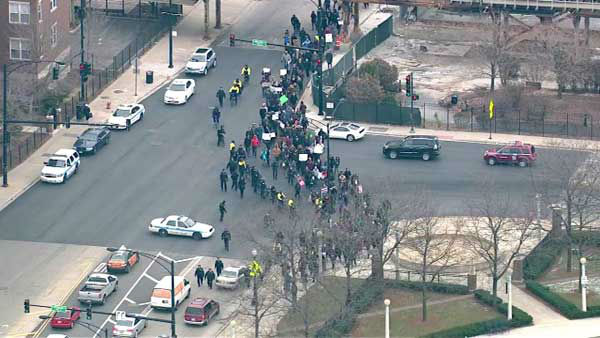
(60, 166)
(345, 130)
(201, 61)
(181, 226)
(127, 326)
(230, 277)
(131, 112)
(179, 91)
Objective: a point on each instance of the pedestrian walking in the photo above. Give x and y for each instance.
(247, 143)
(297, 189)
(210, 277)
(222, 210)
(199, 275)
(275, 167)
(234, 181)
(226, 237)
(219, 266)
(254, 143)
(313, 20)
(221, 136)
(223, 178)
(329, 58)
(216, 116)
(242, 187)
(221, 96)
(247, 277)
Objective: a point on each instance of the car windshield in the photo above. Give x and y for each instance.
(124, 322)
(122, 112)
(188, 221)
(63, 314)
(229, 274)
(354, 126)
(198, 58)
(56, 163)
(194, 311)
(179, 87)
(88, 137)
(96, 280)
(119, 256)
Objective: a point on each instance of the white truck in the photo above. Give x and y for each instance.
(97, 288)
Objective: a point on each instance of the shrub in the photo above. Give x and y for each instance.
(434, 287)
(364, 89)
(385, 73)
(586, 237)
(542, 257)
(520, 317)
(560, 304)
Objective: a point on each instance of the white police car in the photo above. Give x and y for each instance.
(60, 166)
(181, 226)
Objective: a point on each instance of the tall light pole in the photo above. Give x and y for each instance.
(170, 270)
(255, 292)
(584, 283)
(387, 317)
(320, 253)
(170, 35)
(509, 287)
(82, 38)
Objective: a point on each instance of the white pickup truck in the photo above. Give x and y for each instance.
(97, 288)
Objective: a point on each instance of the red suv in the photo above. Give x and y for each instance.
(200, 311)
(519, 153)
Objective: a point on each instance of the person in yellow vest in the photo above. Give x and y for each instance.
(280, 198)
(291, 203)
(234, 91)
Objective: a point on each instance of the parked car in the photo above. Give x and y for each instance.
(416, 146)
(91, 140)
(346, 131)
(201, 61)
(179, 91)
(128, 326)
(129, 112)
(200, 311)
(122, 260)
(230, 278)
(161, 294)
(181, 226)
(65, 319)
(60, 166)
(97, 288)
(521, 154)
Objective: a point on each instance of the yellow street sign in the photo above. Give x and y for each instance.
(491, 109)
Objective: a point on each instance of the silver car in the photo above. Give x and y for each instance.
(128, 326)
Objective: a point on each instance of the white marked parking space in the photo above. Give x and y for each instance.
(129, 301)
(150, 277)
(100, 268)
(164, 256)
(111, 321)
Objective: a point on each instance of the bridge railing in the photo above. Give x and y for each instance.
(591, 5)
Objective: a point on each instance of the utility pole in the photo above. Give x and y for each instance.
(218, 14)
(412, 100)
(81, 28)
(321, 50)
(206, 3)
(170, 34)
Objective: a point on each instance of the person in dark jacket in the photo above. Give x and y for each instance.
(210, 277)
(234, 181)
(223, 178)
(221, 96)
(313, 20)
(226, 237)
(242, 187)
(275, 167)
(222, 210)
(199, 274)
(219, 266)
(221, 136)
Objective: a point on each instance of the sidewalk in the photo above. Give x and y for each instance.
(121, 91)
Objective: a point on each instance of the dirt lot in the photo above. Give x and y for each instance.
(441, 51)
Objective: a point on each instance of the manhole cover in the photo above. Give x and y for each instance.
(378, 129)
(118, 91)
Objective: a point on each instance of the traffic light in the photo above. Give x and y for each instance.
(231, 40)
(408, 85)
(85, 69)
(415, 97)
(88, 313)
(55, 73)
(454, 99)
(26, 305)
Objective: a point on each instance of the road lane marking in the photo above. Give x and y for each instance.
(111, 321)
(144, 303)
(167, 257)
(187, 259)
(126, 295)
(150, 278)
(130, 301)
(100, 268)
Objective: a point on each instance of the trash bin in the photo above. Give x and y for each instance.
(149, 76)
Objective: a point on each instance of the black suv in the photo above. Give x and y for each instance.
(418, 146)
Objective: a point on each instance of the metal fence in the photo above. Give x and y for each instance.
(413, 275)
(377, 113)
(25, 143)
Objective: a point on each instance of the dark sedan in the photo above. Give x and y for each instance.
(417, 146)
(92, 140)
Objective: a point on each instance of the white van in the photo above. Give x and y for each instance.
(161, 295)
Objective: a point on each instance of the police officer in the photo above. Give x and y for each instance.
(263, 188)
(226, 237)
(223, 178)
(275, 167)
(221, 96)
(273, 194)
(222, 210)
(221, 136)
(199, 275)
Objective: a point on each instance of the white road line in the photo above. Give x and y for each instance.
(111, 321)
(150, 277)
(167, 257)
(144, 303)
(126, 295)
(100, 268)
(186, 259)
(191, 265)
(129, 301)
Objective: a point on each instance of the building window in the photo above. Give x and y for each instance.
(41, 45)
(39, 10)
(53, 34)
(19, 12)
(20, 49)
(53, 5)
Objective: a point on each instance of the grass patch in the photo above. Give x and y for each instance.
(321, 302)
(593, 299)
(440, 317)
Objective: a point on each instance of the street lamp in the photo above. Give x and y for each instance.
(170, 32)
(255, 292)
(387, 317)
(584, 283)
(170, 270)
(88, 326)
(509, 288)
(5, 73)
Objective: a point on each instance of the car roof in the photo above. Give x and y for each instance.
(64, 152)
(233, 268)
(180, 81)
(202, 50)
(165, 282)
(101, 275)
(93, 131)
(430, 137)
(199, 302)
(173, 217)
(126, 106)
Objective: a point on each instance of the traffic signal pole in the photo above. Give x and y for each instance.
(81, 27)
(412, 100)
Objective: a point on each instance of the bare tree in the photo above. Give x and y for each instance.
(495, 231)
(433, 244)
